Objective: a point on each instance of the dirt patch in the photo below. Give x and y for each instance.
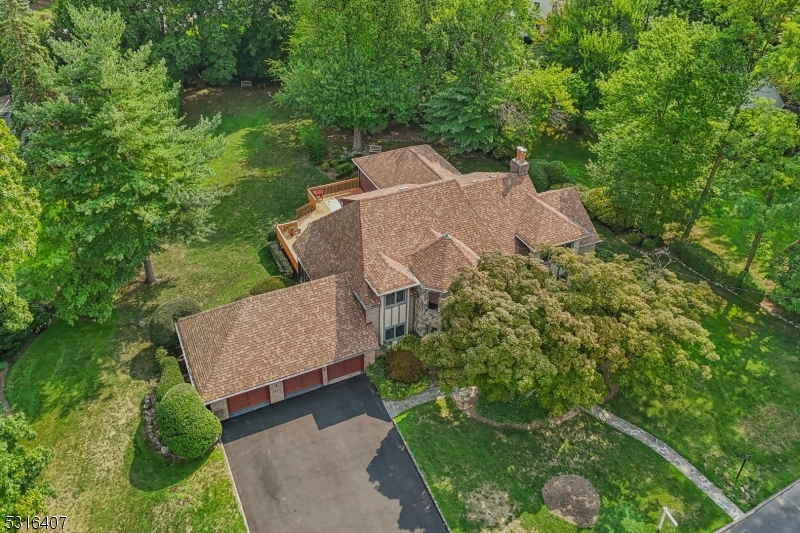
(771, 428)
(572, 498)
(489, 505)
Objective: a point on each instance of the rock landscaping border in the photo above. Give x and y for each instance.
(149, 417)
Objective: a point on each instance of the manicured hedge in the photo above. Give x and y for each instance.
(538, 176)
(270, 284)
(344, 169)
(404, 366)
(187, 428)
(285, 268)
(633, 238)
(557, 172)
(170, 376)
(717, 269)
(314, 140)
(162, 323)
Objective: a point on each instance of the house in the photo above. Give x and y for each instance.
(377, 255)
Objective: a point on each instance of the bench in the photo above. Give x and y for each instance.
(247, 85)
(374, 149)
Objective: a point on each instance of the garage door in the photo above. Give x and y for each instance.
(249, 400)
(343, 368)
(302, 382)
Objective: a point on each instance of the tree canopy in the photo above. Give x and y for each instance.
(19, 225)
(117, 173)
(664, 112)
(511, 327)
(21, 493)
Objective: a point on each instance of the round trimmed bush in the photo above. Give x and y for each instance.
(557, 172)
(161, 354)
(404, 366)
(648, 244)
(270, 284)
(633, 238)
(186, 426)
(170, 376)
(162, 323)
(539, 178)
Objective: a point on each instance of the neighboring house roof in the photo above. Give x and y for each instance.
(436, 263)
(482, 211)
(386, 275)
(265, 338)
(568, 202)
(413, 165)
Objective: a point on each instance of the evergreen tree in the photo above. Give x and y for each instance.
(117, 173)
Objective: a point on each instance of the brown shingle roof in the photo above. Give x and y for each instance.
(569, 203)
(265, 338)
(544, 224)
(386, 275)
(406, 166)
(436, 263)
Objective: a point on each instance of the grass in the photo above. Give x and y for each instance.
(390, 389)
(477, 472)
(82, 385)
(569, 148)
(749, 405)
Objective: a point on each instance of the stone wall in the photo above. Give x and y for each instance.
(425, 318)
(220, 409)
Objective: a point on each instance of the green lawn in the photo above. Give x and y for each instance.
(569, 148)
(476, 470)
(82, 385)
(749, 405)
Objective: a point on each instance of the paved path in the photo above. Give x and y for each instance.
(395, 407)
(779, 514)
(672, 456)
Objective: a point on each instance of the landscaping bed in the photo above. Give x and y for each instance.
(390, 389)
(485, 477)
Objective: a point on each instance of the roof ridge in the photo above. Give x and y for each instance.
(424, 160)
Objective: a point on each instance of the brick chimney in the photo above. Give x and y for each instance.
(518, 165)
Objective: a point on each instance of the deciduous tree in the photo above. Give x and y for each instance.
(19, 224)
(117, 173)
(511, 327)
(21, 492)
(353, 63)
(663, 114)
(784, 270)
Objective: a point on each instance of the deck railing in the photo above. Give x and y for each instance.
(331, 188)
(307, 209)
(280, 229)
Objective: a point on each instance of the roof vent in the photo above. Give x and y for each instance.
(493, 176)
(474, 181)
(402, 188)
(446, 237)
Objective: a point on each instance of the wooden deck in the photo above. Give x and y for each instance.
(322, 201)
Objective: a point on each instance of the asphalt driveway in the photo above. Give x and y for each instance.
(327, 461)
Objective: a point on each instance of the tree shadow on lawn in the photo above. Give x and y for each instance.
(150, 472)
(142, 366)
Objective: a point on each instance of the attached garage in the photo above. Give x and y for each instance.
(302, 383)
(248, 401)
(346, 367)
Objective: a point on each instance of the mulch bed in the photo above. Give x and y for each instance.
(572, 498)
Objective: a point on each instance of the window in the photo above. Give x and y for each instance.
(395, 298)
(433, 300)
(395, 332)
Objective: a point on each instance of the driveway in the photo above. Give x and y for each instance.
(328, 461)
(779, 514)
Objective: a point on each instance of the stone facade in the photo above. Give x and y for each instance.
(276, 392)
(369, 358)
(220, 409)
(425, 319)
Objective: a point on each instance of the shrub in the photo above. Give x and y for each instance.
(390, 389)
(162, 323)
(648, 244)
(285, 268)
(557, 172)
(522, 410)
(272, 234)
(717, 269)
(161, 353)
(404, 366)
(599, 205)
(270, 284)
(170, 376)
(12, 341)
(325, 166)
(538, 176)
(633, 238)
(312, 138)
(344, 169)
(186, 426)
